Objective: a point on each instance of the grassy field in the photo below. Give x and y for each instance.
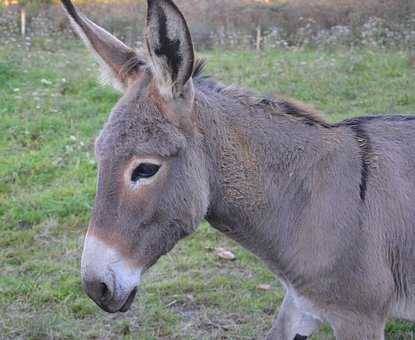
(51, 108)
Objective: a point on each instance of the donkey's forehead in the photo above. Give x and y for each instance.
(137, 127)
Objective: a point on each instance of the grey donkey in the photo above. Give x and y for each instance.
(329, 208)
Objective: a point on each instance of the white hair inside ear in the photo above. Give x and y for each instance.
(117, 61)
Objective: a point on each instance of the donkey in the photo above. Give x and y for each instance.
(329, 208)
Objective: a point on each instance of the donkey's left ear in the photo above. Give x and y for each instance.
(119, 63)
(171, 49)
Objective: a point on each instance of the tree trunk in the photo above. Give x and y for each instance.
(23, 21)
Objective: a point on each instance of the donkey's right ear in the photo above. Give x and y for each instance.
(118, 62)
(170, 47)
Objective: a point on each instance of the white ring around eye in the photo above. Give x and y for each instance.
(133, 165)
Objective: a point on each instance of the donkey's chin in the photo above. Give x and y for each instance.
(120, 306)
(127, 305)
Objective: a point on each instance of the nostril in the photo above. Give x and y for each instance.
(105, 293)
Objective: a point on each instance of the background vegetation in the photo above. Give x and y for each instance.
(258, 23)
(51, 109)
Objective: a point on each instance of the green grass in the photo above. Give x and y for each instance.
(52, 108)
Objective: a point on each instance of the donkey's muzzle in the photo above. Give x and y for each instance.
(108, 278)
(104, 297)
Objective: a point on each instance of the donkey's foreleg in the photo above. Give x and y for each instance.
(292, 322)
(358, 328)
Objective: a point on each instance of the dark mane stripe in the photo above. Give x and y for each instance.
(357, 125)
(364, 143)
(288, 106)
(281, 106)
(368, 119)
(299, 110)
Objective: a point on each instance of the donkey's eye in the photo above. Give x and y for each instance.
(144, 170)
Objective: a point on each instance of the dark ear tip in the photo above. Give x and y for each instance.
(67, 3)
(151, 3)
(70, 8)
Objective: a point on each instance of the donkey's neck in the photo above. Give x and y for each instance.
(262, 166)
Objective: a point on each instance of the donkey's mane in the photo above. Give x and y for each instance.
(276, 106)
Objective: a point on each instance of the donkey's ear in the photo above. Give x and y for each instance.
(118, 62)
(170, 46)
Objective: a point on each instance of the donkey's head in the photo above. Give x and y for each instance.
(152, 183)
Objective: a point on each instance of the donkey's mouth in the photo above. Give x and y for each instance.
(126, 306)
(123, 309)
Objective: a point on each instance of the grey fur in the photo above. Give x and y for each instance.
(329, 208)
